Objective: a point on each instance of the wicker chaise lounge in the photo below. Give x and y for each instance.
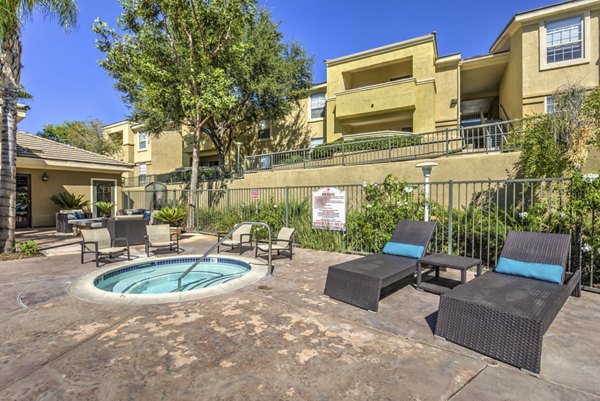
(505, 316)
(359, 282)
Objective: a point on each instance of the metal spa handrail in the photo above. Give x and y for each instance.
(219, 243)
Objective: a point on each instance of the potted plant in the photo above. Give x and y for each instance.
(70, 201)
(172, 215)
(105, 209)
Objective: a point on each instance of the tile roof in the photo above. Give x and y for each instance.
(33, 146)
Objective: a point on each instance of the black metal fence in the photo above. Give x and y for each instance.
(473, 216)
(491, 137)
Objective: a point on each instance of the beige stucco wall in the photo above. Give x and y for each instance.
(447, 88)
(359, 106)
(511, 84)
(80, 183)
(473, 167)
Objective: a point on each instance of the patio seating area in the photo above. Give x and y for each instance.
(280, 338)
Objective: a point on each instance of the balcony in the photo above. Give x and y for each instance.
(377, 99)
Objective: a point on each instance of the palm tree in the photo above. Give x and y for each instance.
(12, 15)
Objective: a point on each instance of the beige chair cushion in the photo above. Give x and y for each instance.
(274, 247)
(162, 244)
(99, 235)
(237, 234)
(158, 234)
(285, 235)
(112, 250)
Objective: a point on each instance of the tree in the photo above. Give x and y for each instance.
(557, 144)
(12, 15)
(168, 59)
(82, 134)
(269, 77)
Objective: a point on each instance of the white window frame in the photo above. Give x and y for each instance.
(310, 119)
(115, 192)
(585, 46)
(140, 149)
(548, 100)
(259, 129)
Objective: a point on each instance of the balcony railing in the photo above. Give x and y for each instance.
(182, 176)
(484, 138)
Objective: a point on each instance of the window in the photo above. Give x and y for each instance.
(143, 170)
(317, 106)
(549, 104)
(264, 131)
(564, 40)
(142, 141)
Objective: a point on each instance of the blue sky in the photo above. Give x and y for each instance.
(62, 73)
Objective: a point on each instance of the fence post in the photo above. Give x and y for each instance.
(447, 143)
(304, 158)
(343, 153)
(450, 216)
(287, 206)
(228, 203)
(390, 148)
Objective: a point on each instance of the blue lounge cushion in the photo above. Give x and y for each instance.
(400, 249)
(147, 215)
(79, 215)
(537, 271)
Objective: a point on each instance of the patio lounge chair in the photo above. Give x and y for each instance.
(282, 243)
(505, 315)
(98, 242)
(359, 282)
(241, 236)
(160, 236)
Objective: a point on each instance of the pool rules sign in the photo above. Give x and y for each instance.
(329, 209)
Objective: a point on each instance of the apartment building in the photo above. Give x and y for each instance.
(408, 87)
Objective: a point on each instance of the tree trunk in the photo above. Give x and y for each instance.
(191, 218)
(10, 59)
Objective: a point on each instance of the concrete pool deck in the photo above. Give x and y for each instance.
(279, 338)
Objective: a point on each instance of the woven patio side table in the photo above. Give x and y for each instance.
(439, 260)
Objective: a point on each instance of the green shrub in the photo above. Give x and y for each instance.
(328, 150)
(69, 201)
(105, 208)
(28, 248)
(172, 215)
(294, 159)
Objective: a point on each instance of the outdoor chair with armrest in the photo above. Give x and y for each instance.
(505, 313)
(241, 236)
(283, 243)
(160, 236)
(359, 282)
(98, 242)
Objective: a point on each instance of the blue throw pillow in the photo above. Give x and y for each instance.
(79, 215)
(146, 215)
(399, 249)
(537, 271)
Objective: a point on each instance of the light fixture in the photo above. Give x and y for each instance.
(45, 176)
(426, 167)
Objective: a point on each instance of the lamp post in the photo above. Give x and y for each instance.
(426, 168)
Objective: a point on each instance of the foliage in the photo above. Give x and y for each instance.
(383, 206)
(69, 201)
(12, 16)
(172, 215)
(541, 155)
(269, 77)
(293, 159)
(557, 144)
(85, 135)
(328, 150)
(170, 57)
(28, 248)
(105, 208)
